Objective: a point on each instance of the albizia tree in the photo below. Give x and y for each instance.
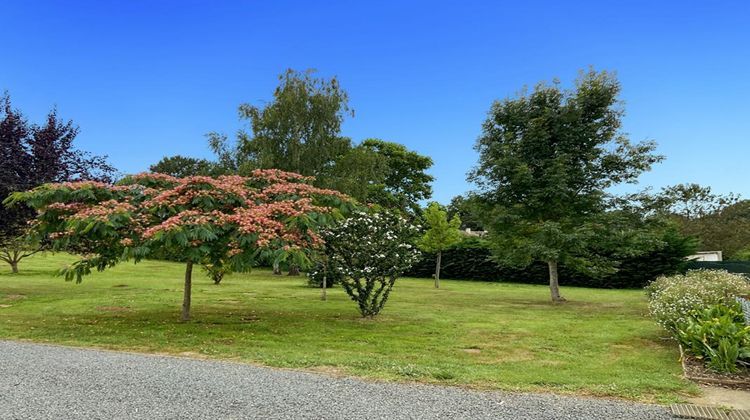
(228, 221)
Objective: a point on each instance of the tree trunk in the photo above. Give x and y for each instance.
(217, 278)
(324, 293)
(437, 269)
(186, 296)
(293, 270)
(14, 267)
(276, 269)
(554, 285)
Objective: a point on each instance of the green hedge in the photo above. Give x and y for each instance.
(741, 267)
(471, 260)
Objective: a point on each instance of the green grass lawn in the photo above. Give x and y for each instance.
(483, 335)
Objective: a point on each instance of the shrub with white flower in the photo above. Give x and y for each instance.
(369, 251)
(672, 299)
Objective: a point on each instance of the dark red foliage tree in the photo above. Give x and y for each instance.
(32, 155)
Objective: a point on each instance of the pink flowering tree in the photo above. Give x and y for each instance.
(228, 222)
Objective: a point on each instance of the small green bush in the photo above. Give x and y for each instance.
(673, 298)
(718, 335)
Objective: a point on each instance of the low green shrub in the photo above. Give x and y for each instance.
(673, 298)
(718, 335)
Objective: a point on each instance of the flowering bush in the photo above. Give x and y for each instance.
(368, 252)
(673, 298)
(224, 223)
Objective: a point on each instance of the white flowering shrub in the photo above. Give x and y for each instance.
(369, 252)
(672, 299)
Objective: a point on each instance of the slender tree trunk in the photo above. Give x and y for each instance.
(186, 296)
(276, 269)
(437, 269)
(554, 285)
(324, 293)
(14, 267)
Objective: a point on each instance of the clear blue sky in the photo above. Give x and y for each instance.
(146, 79)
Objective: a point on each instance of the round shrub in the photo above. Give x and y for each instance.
(368, 252)
(673, 298)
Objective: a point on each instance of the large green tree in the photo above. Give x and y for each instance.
(299, 130)
(467, 207)
(546, 161)
(181, 166)
(383, 173)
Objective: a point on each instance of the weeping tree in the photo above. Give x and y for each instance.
(546, 161)
(368, 252)
(227, 223)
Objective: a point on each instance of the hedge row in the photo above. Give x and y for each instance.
(741, 267)
(471, 260)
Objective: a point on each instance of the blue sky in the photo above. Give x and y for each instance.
(146, 79)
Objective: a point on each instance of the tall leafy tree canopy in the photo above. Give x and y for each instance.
(300, 131)
(384, 173)
(720, 222)
(546, 160)
(467, 207)
(405, 181)
(181, 166)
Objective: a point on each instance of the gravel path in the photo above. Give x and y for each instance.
(50, 382)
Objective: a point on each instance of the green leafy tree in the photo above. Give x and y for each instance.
(383, 173)
(546, 160)
(298, 131)
(441, 234)
(721, 222)
(181, 166)
(360, 173)
(468, 209)
(727, 230)
(693, 201)
(405, 181)
(742, 255)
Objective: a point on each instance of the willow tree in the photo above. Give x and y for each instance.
(228, 221)
(546, 161)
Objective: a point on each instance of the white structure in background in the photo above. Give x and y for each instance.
(706, 256)
(469, 232)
